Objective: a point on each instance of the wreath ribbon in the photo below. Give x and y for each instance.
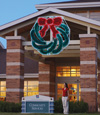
(49, 23)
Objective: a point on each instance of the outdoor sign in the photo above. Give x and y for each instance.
(60, 33)
(37, 107)
(38, 104)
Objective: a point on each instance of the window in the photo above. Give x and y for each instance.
(2, 90)
(73, 91)
(68, 71)
(31, 88)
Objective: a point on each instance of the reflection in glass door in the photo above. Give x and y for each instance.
(71, 75)
(74, 91)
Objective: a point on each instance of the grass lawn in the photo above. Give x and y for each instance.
(49, 114)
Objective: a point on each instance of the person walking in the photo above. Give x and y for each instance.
(65, 99)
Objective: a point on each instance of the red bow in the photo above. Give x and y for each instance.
(49, 23)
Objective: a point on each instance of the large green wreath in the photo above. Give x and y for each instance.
(53, 47)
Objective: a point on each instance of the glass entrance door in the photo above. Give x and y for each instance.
(71, 75)
(74, 91)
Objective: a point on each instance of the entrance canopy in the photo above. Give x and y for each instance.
(77, 24)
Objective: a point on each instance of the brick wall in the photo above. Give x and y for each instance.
(14, 69)
(47, 79)
(98, 82)
(88, 70)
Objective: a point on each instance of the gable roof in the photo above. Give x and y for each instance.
(70, 4)
(73, 1)
(93, 23)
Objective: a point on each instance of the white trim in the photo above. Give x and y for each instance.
(2, 75)
(72, 42)
(31, 75)
(88, 30)
(26, 75)
(54, 10)
(14, 90)
(15, 64)
(67, 5)
(88, 76)
(88, 36)
(41, 93)
(14, 77)
(46, 82)
(88, 90)
(15, 32)
(15, 50)
(44, 72)
(15, 38)
(47, 93)
(88, 62)
(88, 49)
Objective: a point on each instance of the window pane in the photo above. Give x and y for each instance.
(59, 74)
(33, 83)
(59, 92)
(63, 74)
(73, 67)
(25, 83)
(67, 71)
(3, 88)
(73, 98)
(78, 74)
(79, 89)
(32, 93)
(25, 88)
(73, 74)
(2, 98)
(66, 74)
(3, 94)
(30, 83)
(36, 88)
(79, 98)
(3, 83)
(60, 86)
(25, 94)
(59, 69)
(31, 88)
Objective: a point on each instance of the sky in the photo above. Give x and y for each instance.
(11, 10)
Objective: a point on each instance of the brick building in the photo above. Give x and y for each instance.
(78, 64)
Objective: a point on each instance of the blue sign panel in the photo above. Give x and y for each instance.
(37, 107)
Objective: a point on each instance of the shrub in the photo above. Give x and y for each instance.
(74, 107)
(78, 107)
(58, 108)
(10, 107)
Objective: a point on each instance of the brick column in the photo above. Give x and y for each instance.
(98, 82)
(14, 69)
(47, 79)
(88, 70)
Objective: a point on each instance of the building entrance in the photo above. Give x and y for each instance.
(70, 75)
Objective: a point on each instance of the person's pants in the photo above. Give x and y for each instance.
(65, 105)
